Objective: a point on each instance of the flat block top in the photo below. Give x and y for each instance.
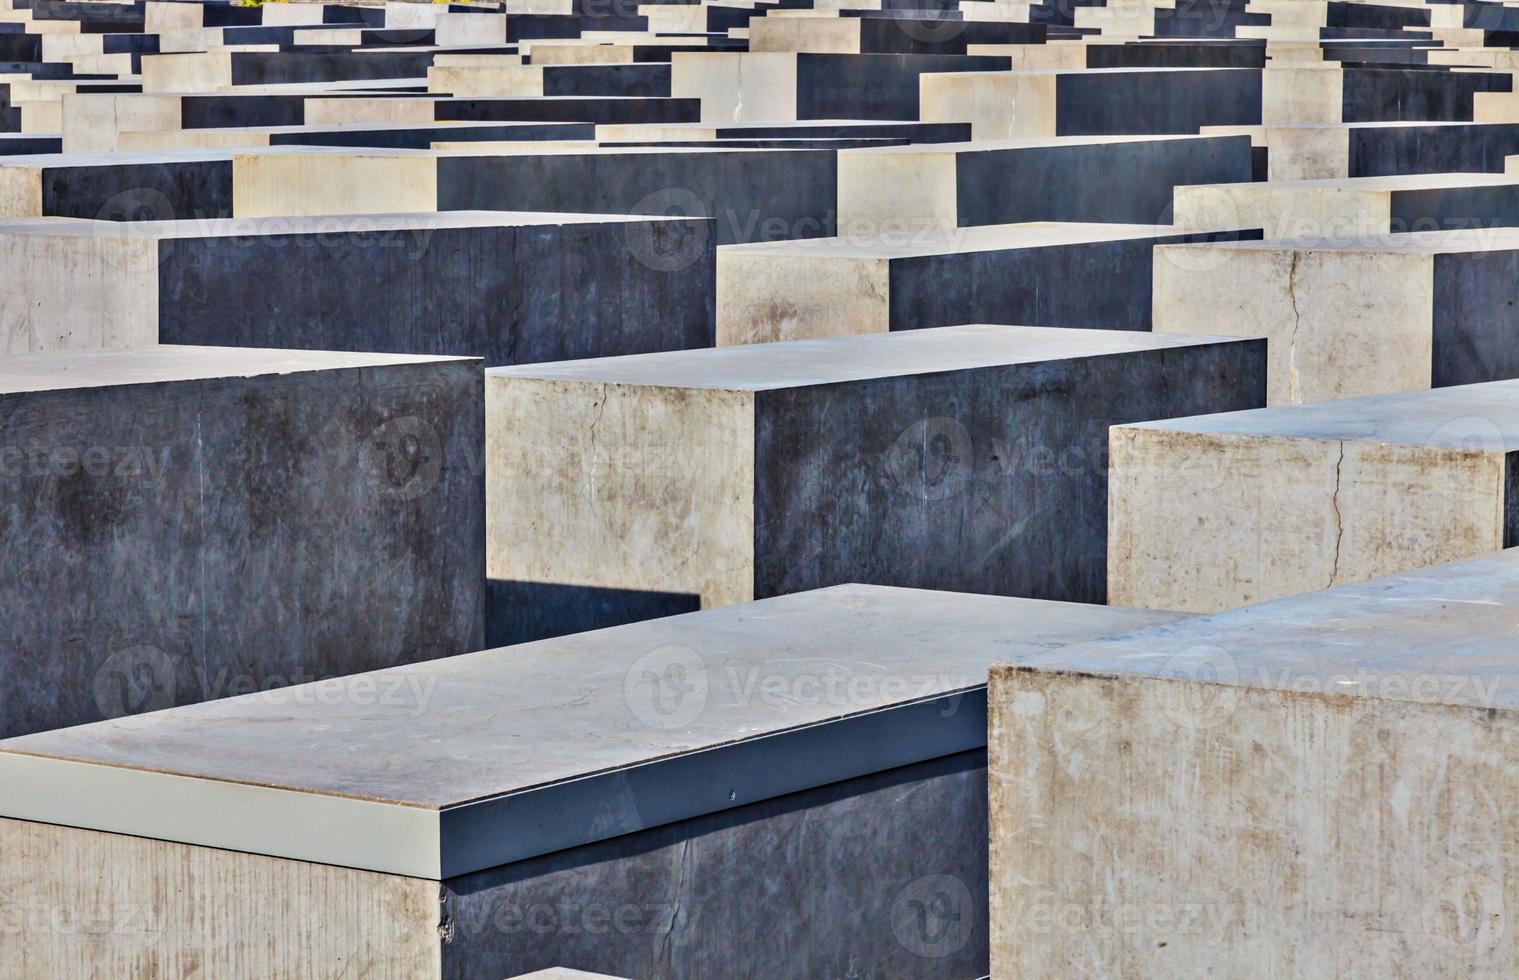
(51, 161)
(1386, 183)
(422, 221)
(1409, 243)
(938, 241)
(493, 728)
(20, 373)
(1477, 418)
(834, 360)
(1033, 143)
(1442, 635)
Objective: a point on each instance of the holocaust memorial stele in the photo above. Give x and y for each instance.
(690, 491)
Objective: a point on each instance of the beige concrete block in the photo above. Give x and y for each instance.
(93, 122)
(20, 191)
(95, 905)
(817, 34)
(316, 182)
(77, 292)
(623, 486)
(900, 188)
(346, 111)
(737, 87)
(998, 105)
(579, 53)
(1340, 321)
(459, 29)
(1302, 95)
(1219, 511)
(161, 16)
(1054, 54)
(484, 77)
(1318, 787)
(207, 71)
(41, 117)
(193, 139)
(780, 294)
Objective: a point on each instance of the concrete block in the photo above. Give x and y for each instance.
(1316, 786)
(1347, 209)
(616, 801)
(969, 458)
(772, 86)
(1092, 102)
(510, 288)
(1352, 317)
(753, 195)
(191, 523)
(117, 186)
(1081, 178)
(318, 181)
(906, 280)
(1218, 511)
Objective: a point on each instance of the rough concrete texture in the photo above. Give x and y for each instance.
(193, 523)
(1316, 786)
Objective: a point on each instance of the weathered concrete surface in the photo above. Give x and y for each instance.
(968, 458)
(1356, 316)
(1218, 511)
(664, 871)
(1036, 274)
(192, 523)
(508, 287)
(1125, 179)
(1318, 786)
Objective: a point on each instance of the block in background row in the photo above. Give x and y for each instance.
(1003, 105)
(753, 195)
(117, 186)
(1218, 511)
(906, 280)
(774, 86)
(1323, 785)
(1353, 207)
(1354, 317)
(970, 458)
(1126, 179)
(511, 288)
(797, 786)
(189, 523)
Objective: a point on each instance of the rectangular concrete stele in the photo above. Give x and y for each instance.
(1323, 785)
(291, 473)
(1081, 178)
(1351, 208)
(117, 186)
(614, 800)
(1218, 511)
(1348, 317)
(314, 181)
(504, 286)
(907, 280)
(966, 457)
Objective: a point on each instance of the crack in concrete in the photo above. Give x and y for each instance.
(1339, 520)
(680, 890)
(1297, 321)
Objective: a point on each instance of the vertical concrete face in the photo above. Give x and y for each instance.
(1340, 322)
(625, 487)
(1202, 521)
(763, 296)
(289, 486)
(730, 475)
(1305, 834)
(78, 292)
(294, 184)
(150, 914)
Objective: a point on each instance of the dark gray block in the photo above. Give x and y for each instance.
(184, 524)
